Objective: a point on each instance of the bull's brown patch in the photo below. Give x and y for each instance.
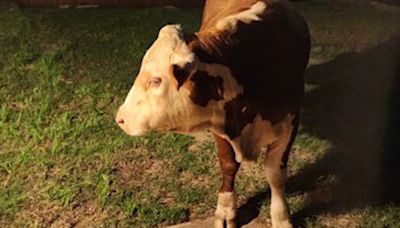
(242, 110)
(180, 73)
(206, 88)
(238, 114)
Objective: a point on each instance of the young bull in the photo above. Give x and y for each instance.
(241, 77)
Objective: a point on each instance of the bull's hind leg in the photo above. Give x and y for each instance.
(226, 207)
(275, 167)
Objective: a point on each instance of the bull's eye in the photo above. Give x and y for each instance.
(154, 82)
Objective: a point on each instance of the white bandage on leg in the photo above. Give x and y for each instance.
(226, 207)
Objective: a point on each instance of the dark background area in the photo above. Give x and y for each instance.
(108, 3)
(133, 3)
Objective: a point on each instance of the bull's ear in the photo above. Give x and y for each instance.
(180, 73)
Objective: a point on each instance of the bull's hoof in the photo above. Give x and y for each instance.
(282, 224)
(219, 223)
(231, 223)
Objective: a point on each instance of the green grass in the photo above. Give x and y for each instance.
(63, 161)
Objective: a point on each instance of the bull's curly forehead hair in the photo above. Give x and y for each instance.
(171, 30)
(171, 40)
(204, 45)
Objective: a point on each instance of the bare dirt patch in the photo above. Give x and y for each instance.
(86, 215)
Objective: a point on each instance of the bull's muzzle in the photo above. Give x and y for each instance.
(125, 121)
(120, 119)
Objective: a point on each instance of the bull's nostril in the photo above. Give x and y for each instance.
(120, 121)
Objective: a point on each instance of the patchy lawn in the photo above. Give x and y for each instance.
(64, 162)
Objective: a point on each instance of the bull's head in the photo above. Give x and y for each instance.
(172, 91)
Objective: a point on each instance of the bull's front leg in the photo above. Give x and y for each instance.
(226, 207)
(276, 177)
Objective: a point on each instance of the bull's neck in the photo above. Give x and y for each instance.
(210, 48)
(218, 4)
(217, 9)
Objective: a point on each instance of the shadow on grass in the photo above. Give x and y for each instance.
(356, 107)
(251, 209)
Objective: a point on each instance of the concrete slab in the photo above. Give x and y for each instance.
(209, 222)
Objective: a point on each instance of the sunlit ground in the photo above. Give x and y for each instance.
(63, 161)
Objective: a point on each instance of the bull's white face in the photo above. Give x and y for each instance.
(157, 99)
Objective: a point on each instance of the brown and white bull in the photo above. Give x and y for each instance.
(240, 77)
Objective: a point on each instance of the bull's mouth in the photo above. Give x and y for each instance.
(136, 133)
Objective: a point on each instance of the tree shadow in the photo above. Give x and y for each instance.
(356, 106)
